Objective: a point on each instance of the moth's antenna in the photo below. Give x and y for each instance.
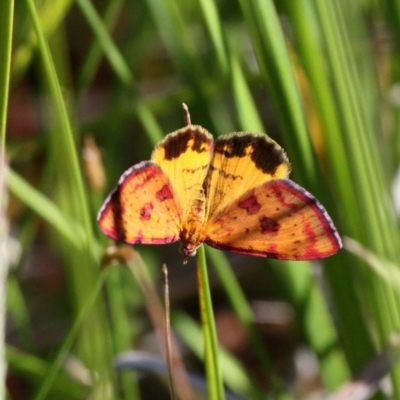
(186, 114)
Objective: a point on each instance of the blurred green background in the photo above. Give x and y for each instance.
(87, 88)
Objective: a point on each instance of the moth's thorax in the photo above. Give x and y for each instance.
(192, 234)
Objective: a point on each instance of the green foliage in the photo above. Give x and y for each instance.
(318, 76)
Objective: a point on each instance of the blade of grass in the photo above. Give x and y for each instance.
(362, 189)
(303, 291)
(67, 137)
(112, 53)
(314, 317)
(121, 331)
(51, 15)
(17, 308)
(276, 70)
(87, 306)
(5, 265)
(386, 269)
(230, 65)
(215, 29)
(248, 115)
(71, 232)
(121, 70)
(34, 370)
(391, 9)
(95, 53)
(214, 380)
(234, 373)
(6, 27)
(243, 311)
(72, 199)
(350, 318)
(379, 232)
(175, 33)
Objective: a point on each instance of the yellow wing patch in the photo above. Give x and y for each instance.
(184, 156)
(241, 162)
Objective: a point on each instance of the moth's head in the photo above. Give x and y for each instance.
(188, 250)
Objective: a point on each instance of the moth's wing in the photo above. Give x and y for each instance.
(142, 208)
(278, 219)
(184, 156)
(241, 162)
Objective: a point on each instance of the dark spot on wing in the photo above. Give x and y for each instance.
(265, 153)
(146, 211)
(193, 137)
(250, 204)
(269, 225)
(165, 193)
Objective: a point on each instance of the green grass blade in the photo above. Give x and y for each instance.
(93, 58)
(234, 373)
(386, 269)
(112, 53)
(34, 370)
(214, 26)
(66, 139)
(82, 264)
(303, 291)
(243, 311)
(6, 27)
(51, 15)
(174, 31)
(213, 373)
(121, 329)
(356, 340)
(345, 97)
(276, 70)
(83, 314)
(18, 312)
(375, 224)
(121, 69)
(248, 115)
(73, 233)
